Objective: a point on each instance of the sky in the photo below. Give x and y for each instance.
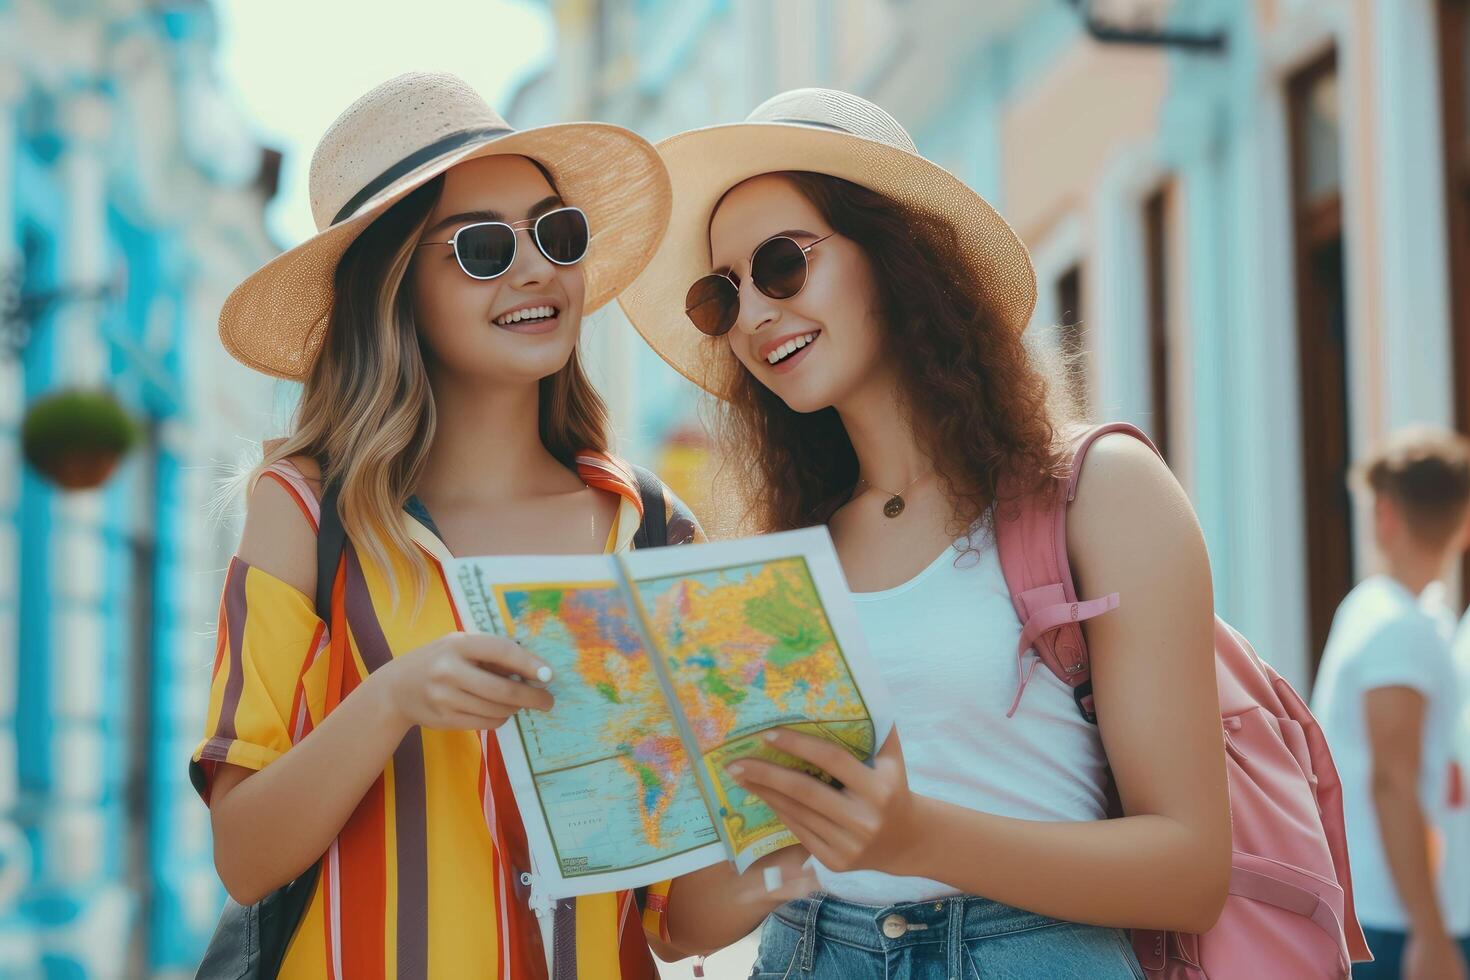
(292, 66)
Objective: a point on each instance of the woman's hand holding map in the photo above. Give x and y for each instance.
(469, 681)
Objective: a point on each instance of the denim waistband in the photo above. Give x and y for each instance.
(880, 929)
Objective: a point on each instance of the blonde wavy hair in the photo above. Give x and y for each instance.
(367, 409)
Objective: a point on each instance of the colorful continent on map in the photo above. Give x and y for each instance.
(609, 710)
(750, 648)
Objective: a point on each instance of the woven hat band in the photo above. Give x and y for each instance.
(814, 122)
(410, 163)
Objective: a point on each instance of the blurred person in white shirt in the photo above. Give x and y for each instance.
(1388, 697)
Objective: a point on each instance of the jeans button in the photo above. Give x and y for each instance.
(895, 926)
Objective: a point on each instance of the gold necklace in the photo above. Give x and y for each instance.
(895, 503)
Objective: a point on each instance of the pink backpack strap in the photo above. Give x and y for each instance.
(1031, 537)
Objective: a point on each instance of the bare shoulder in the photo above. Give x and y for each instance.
(1130, 509)
(1120, 466)
(278, 538)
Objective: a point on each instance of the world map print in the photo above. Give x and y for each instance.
(668, 665)
(611, 772)
(749, 648)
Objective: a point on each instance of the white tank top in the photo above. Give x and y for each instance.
(945, 641)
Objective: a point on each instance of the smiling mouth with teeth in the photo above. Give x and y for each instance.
(533, 314)
(790, 347)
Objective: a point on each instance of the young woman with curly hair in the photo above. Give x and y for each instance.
(859, 313)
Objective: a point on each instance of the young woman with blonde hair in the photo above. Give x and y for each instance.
(433, 324)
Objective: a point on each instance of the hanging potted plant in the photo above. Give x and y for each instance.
(76, 437)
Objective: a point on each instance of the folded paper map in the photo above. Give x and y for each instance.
(669, 664)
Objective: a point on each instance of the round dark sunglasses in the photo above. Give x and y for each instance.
(778, 268)
(486, 249)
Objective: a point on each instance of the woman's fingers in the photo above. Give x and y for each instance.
(491, 713)
(471, 677)
(791, 886)
(782, 877)
(461, 680)
(810, 838)
(504, 656)
(825, 755)
(830, 831)
(792, 783)
(458, 721)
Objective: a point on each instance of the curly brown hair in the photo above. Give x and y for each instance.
(991, 410)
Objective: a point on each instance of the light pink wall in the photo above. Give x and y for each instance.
(1056, 139)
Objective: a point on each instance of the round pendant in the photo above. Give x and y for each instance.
(894, 507)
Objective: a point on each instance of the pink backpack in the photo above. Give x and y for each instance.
(1290, 908)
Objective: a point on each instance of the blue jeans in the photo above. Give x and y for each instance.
(962, 938)
(1387, 946)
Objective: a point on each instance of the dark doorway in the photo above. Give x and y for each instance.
(1156, 269)
(1071, 334)
(1454, 63)
(1322, 350)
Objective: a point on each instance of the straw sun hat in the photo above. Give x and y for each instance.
(826, 132)
(401, 135)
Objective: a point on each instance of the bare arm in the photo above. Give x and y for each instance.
(711, 908)
(1166, 864)
(1395, 721)
(1395, 718)
(270, 826)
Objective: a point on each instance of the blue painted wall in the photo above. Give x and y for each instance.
(51, 929)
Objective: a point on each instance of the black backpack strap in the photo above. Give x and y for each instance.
(653, 532)
(331, 539)
(280, 915)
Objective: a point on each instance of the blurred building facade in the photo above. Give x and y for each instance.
(1248, 231)
(131, 200)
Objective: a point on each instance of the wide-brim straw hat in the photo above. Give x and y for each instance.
(827, 132)
(398, 137)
